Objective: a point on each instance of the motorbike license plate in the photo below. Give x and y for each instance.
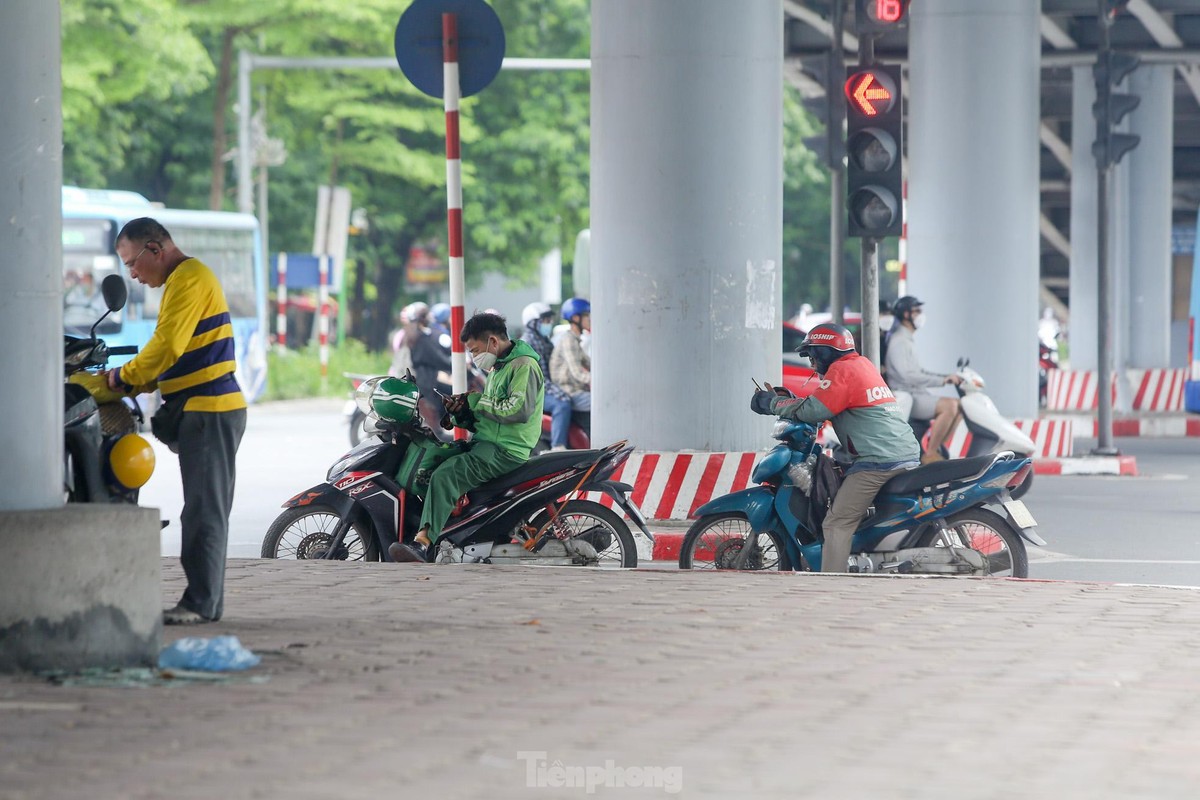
(1020, 514)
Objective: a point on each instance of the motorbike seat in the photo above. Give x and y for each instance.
(936, 474)
(544, 464)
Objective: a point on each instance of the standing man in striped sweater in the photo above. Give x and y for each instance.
(190, 359)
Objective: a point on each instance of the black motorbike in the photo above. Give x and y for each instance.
(104, 460)
(536, 514)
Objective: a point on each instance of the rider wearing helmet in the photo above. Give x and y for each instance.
(905, 374)
(570, 365)
(853, 395)
(439, 316)
(538, 319)
(506, 419)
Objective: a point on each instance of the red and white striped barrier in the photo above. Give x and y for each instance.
(323, 319)
(673, 485)
(1053, 438)
(1156, 390)
(1161, 427)
(281, 305)
(451, 94)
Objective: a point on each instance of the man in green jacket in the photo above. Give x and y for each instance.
(506, 419)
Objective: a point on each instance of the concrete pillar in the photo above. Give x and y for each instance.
(1082, 331)
(79, 586)
(31, 293)
(973, 233)
(1149, 215)
(686, 233)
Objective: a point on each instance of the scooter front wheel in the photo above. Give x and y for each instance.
(305, 533)
(717, 541)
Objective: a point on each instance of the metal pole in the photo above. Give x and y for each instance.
(244, 177)
(451, 90)
(1104, 445)
(870, 252)
(870, 299)
(837, 170)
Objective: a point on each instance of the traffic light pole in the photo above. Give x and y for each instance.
(1104, 444)
(837, 170)
(869, 264)
(870, 299)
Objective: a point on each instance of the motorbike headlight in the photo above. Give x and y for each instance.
(781, 427)
(362, 395)
(359, 454)
(79, 357)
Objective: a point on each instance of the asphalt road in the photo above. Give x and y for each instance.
(1112, 529)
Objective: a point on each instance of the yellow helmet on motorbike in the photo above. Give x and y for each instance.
(131, 462)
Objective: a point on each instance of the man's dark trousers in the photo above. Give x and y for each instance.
(208, 444)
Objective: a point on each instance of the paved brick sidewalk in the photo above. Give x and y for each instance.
(412, 681)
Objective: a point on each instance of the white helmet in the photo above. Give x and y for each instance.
(417, 312)
(534, 311)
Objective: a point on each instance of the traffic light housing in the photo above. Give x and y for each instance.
(879, 16)
(1111, 107)
(874, 151)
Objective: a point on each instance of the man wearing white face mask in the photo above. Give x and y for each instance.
(905, 374)
(506, 419)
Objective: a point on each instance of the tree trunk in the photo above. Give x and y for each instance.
(387, 289)
(358, 300)
(220, 140)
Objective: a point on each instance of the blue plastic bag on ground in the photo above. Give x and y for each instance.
(218, 654)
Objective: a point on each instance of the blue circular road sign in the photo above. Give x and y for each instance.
(419, 44)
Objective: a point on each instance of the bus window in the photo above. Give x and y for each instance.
(230, 255)
(87, 259)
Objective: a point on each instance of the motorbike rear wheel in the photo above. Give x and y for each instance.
(716, 542)
(600, 527)
(990, 534)
(305, 532)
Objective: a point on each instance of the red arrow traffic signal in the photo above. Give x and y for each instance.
(870, 93)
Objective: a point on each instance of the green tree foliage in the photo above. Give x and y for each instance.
(149, 105)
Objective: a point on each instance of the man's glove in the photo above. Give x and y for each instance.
(760, 403)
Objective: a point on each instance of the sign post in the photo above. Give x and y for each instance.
(469, 39)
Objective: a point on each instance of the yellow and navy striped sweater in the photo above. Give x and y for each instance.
(192, 345)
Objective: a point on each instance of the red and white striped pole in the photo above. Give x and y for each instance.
(323, 322)
(281, 305)
(451, 92)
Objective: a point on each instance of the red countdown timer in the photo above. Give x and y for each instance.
(885, 11)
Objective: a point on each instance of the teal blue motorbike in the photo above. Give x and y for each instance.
(954, 517)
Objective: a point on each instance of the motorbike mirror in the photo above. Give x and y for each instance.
(962, 362)
(115, 292)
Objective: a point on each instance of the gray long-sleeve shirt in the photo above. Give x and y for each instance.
(904, 372)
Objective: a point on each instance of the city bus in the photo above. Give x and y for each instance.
(228, 243)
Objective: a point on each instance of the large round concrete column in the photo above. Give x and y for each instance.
(973, 229)
(31, 394)
(686, 219)
(79, 586)
(1082, 331)
(1149, 216)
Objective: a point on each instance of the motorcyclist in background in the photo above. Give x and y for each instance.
(570, 365)
(538, 319)
(428, 355)
(905, 374)
(853, 395)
